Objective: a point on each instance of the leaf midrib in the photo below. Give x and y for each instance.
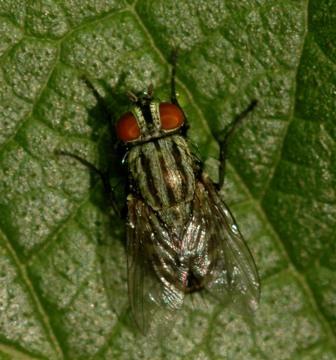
(256, 202)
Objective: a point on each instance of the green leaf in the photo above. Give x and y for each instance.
(63, 292)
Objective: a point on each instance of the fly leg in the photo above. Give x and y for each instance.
(173, 95)
(104, 176)
(225, 136)
(102, 104)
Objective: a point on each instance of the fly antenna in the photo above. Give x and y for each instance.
(132, 97)
(150, 90)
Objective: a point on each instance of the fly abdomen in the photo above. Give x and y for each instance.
(162, 171)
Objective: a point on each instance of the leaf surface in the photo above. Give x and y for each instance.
(63, 291)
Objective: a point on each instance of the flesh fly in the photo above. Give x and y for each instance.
(181, 236)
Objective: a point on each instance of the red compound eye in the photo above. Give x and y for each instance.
(171, 116)
(127, 128)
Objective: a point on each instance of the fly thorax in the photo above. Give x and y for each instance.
(163, 171)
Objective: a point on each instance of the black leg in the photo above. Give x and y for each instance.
(225, 137)
(173, 96)
(102, 103)
(103, 176)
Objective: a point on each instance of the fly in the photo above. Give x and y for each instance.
(181, 236)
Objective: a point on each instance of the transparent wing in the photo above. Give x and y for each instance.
(231, 270)
(208, 253)
(153, 296)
